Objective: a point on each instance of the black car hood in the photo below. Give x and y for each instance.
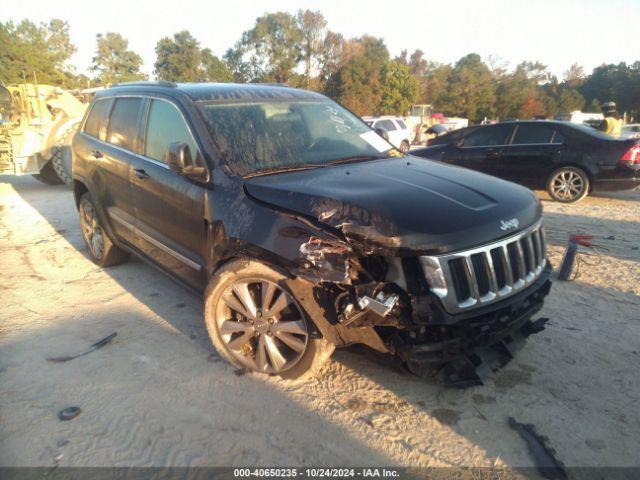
(402, 205)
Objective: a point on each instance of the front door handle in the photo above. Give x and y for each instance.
(96, 154)
(141, 174)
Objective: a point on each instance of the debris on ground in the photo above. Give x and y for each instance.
(99, 344)
(574, 257)
(544, 457)
(69, 413)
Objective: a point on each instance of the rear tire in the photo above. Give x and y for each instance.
(48, 175)
(568, 184)
(100, 247)
(255, 341)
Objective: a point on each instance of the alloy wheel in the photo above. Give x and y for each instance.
(567, 185)
(261, 326)
(92, 231)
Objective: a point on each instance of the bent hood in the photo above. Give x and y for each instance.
(403, 205)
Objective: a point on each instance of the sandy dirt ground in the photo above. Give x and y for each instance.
(158, 395)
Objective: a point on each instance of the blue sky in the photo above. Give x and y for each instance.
(557, 33)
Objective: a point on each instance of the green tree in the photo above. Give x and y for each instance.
(114, 62)
(332, 56)
(178, 59)
(29, 50)
(356, 84)
(398, 89)
(214, 69)
(313, 28)
(472, 90)
(619, 83)
(269, 52)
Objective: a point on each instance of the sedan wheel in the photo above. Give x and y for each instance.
(568, 185)
(261, 326)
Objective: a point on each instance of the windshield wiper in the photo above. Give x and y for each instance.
(296, 168)
(356, 158)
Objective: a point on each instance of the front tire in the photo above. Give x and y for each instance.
(256, 324)
(568, 185)
(100, 247)
(404, 146)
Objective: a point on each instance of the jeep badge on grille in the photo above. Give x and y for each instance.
(508, 224)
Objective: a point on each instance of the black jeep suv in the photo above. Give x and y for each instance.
(306, 230)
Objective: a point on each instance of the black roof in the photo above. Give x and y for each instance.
(225, 92)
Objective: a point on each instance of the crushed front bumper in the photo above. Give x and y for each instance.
(457, 352)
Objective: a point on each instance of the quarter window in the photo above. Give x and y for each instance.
(96, 124)
(123, 125)
(164, 127)
(488, 136)
(532, 134)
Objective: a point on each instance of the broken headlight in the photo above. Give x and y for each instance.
(435, 276)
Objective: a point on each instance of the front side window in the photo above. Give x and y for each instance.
(402, 125)
(165, 126)
(488, 136)
(254, 137)
(96, 124)
(533, 134)
(123, 124)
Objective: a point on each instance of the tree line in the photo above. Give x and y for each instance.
(301, 51)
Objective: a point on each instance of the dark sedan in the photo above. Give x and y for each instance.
(568, 160)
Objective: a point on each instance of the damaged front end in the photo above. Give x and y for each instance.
(454, 317)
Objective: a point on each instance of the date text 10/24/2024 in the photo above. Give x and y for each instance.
(316, 472)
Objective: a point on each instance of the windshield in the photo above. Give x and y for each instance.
(267, 136)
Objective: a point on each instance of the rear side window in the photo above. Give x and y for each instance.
(488, 136)
(532, 134)
(96, 124)
(123, 124)
(402, 125)
(164, 127)
(387, 125)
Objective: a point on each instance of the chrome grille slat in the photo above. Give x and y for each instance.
(476, 272)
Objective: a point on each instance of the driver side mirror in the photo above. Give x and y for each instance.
(178, 157)
(382, 132)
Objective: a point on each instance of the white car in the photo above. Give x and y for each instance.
(631, 131)
(398, 132)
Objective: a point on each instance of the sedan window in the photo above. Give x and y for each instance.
(533, 134)
(488, 136)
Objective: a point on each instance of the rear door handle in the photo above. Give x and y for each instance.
(96, 154)
(141, 174)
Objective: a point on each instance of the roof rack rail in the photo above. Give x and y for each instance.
(157, 83)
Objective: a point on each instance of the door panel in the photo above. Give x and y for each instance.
(531, 154)
(481, 149)
(169, 207)
(109, 164)
(169, 211)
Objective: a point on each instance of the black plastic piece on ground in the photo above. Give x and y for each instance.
(546, 462)
(69, 413)
(99, 344)
(568, 260)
